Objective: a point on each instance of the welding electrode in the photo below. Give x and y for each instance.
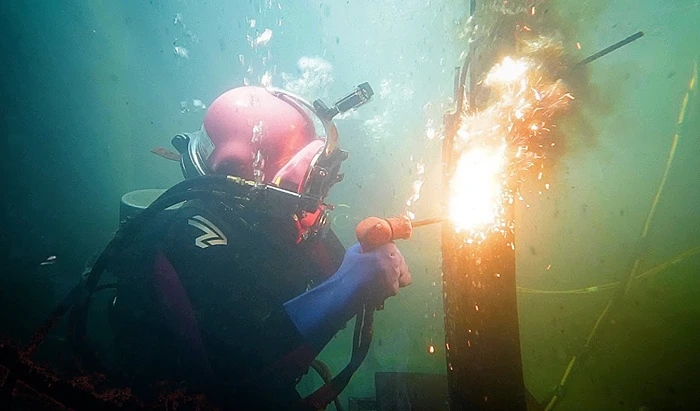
(374, 231)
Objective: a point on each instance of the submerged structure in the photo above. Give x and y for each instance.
(513, 82)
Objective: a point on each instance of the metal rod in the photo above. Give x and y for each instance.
(427, 221)
(609, 49)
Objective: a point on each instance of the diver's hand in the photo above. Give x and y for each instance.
(381, 271)
(363, 278)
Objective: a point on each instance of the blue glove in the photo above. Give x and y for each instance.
(369, 278)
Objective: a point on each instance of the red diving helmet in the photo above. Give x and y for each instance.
(276, 139)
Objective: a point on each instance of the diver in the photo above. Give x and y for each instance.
(234, 294)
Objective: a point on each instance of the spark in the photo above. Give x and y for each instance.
(496, 144)
(431, 349)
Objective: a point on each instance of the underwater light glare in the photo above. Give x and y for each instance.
(476, 187)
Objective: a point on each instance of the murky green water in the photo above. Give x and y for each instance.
(90, 87)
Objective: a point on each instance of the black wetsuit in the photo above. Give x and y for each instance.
(200, 303)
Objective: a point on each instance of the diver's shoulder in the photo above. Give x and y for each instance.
(201, 225)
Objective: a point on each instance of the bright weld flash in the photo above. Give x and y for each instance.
(477, 187)
(499, 141)
(508, 71)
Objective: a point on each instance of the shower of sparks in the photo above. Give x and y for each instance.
(497, 144)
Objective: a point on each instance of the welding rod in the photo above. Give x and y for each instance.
(609, 49)
(427, 221)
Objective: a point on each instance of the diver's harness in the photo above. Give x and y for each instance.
(226, 189)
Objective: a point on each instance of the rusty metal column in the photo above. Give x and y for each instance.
(484, 366)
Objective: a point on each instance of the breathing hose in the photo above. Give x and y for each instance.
(362, 339)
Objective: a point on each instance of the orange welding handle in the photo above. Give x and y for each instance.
(373, 232)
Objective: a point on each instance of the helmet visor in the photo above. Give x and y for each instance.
(294, 175)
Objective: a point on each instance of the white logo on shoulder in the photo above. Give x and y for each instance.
(212, 235)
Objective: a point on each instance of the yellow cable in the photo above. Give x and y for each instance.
(691, 85)
(669, 161)
(586, 290)
(647, 225)
(654, 203)
(680, 257)
(635, 267)
(553, 401)
(685, 254)
(633, 273)
(597, 323)
(568, 371)
(684, 105)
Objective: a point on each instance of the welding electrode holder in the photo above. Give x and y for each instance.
(373, 232)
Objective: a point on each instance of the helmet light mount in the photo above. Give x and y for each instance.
(359, 96)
